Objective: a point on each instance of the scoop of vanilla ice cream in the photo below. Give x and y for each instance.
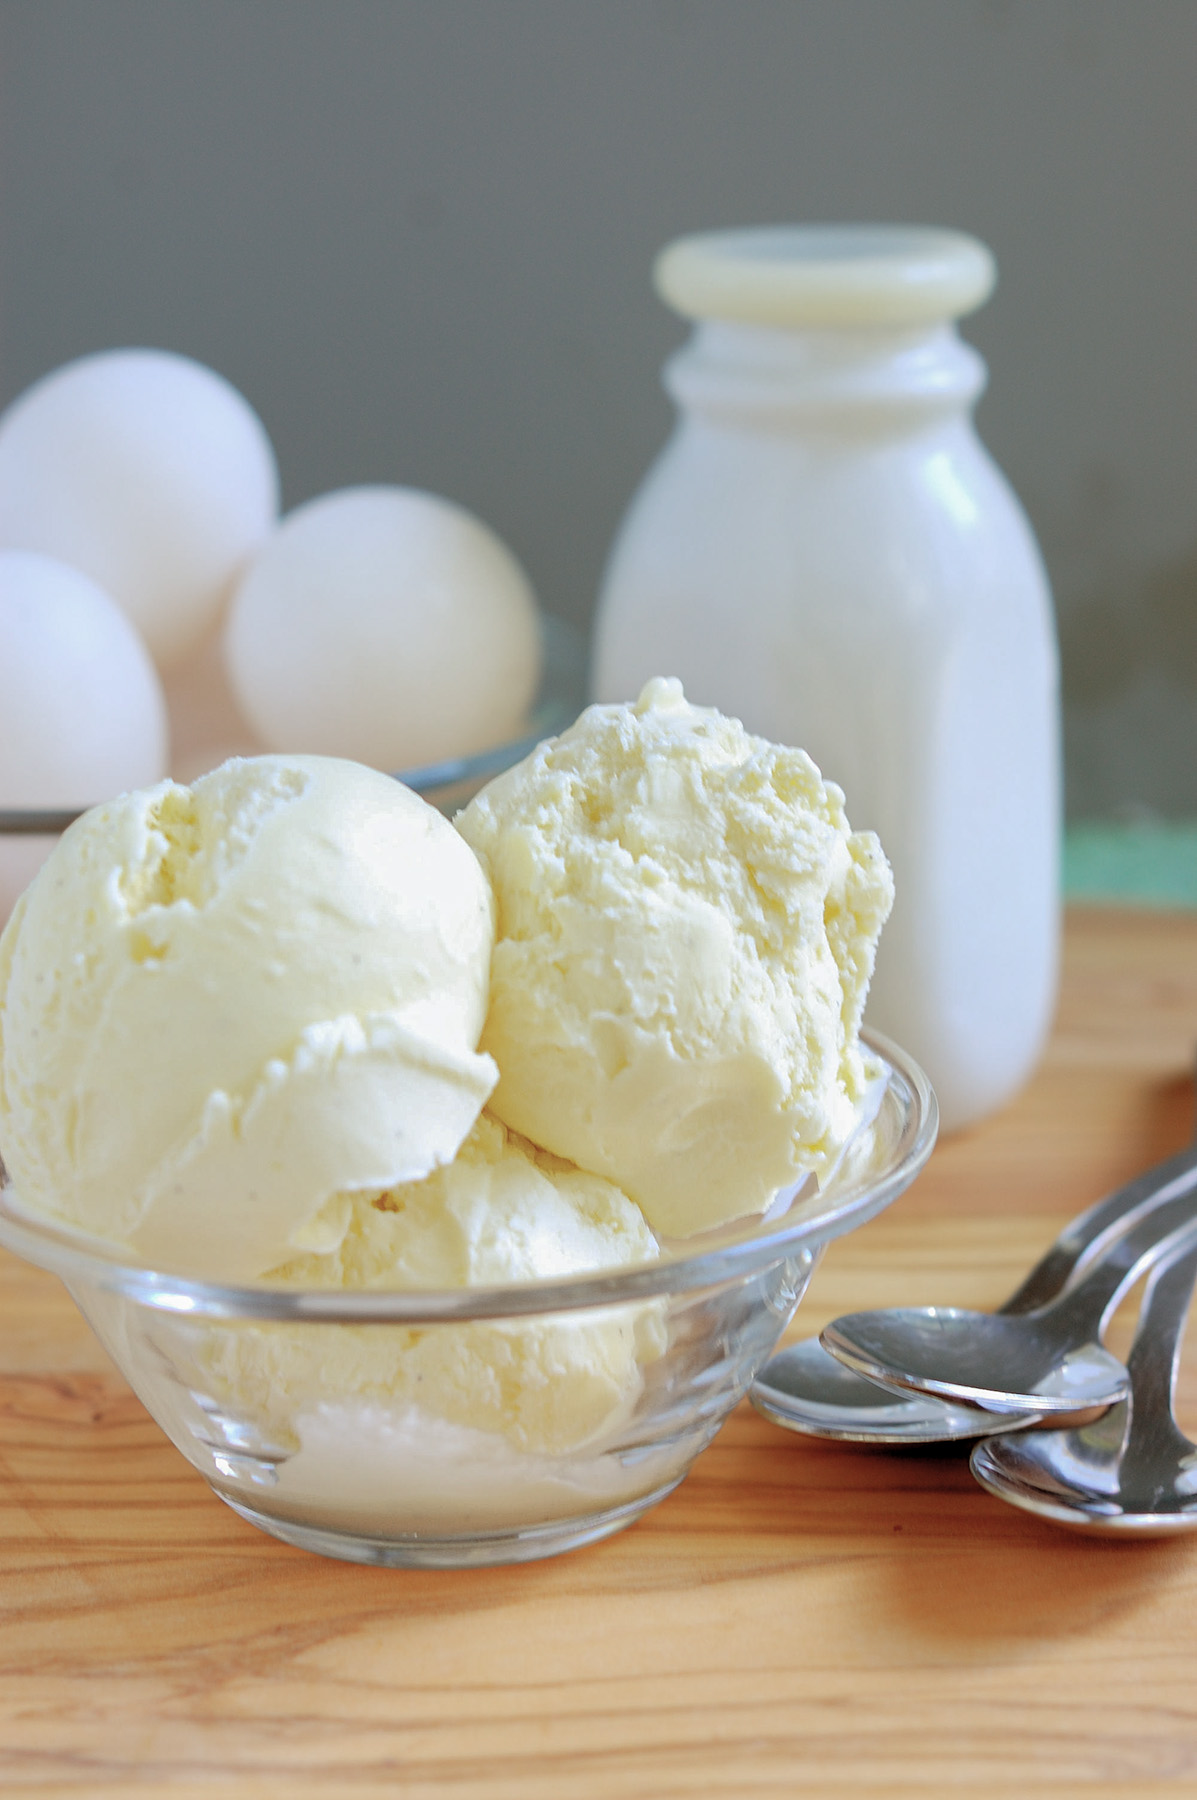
(502, 1211)
(686, 928)
(222, 1005)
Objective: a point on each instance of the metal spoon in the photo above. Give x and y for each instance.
(804, 1388)
(1049, 1361)
(1133, 1470)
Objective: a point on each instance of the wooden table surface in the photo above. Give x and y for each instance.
(796, 1617)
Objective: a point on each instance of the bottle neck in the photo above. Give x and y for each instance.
(856, 381)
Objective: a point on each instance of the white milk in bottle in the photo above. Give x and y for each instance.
(825, 550)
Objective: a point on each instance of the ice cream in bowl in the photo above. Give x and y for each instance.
(439, 1188)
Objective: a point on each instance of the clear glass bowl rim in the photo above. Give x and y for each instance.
(729, 1256)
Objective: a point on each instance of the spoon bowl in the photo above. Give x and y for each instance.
(1047, 1361)
(804, 1388)
(989, 1361)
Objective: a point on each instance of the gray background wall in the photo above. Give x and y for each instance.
(417, 234)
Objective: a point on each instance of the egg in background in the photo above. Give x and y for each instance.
(149, 473)
(82, 713)
(387, 625)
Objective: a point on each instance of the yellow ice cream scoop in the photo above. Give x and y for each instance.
(221, 1005)
(686, 927)
(502, 1211)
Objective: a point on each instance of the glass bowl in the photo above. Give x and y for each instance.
(482, 1425)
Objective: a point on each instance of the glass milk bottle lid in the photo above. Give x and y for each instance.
(791, 276)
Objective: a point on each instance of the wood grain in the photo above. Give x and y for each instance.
(796, 1618)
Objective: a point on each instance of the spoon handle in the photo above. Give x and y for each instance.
(1155, 1353)
(1088, 1307)
(1087, 1239)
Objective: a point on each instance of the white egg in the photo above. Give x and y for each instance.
(82, 715)
(149, 473)
(386, 625)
